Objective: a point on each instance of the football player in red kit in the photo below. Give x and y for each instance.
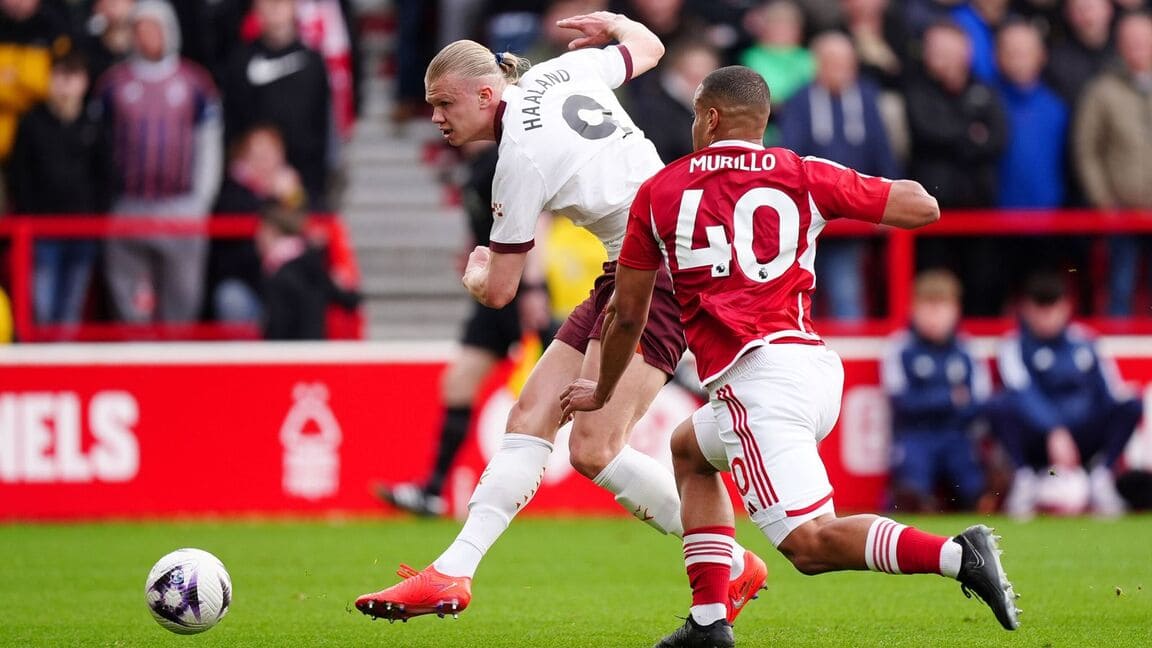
(737, 226)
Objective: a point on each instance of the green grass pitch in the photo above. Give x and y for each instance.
(558, 583)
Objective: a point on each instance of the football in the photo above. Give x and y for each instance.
(188, 591)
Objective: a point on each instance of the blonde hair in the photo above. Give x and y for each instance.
(937, 284)
(471, 60)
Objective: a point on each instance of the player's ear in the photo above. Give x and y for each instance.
(485, 95)
(712, 119)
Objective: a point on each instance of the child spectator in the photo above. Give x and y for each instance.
(60, 165)
(936, 388)
(1065, 406)
(297, 285)
(258, 174)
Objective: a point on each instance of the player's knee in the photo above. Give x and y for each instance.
(525, 418)
(591, 452)
(806, 547)
(683, 445)
(686, 454)
(590, 459)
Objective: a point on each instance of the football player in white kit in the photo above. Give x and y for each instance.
(737, 224)
(565, 145)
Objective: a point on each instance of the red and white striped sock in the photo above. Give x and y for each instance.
(894, 548)
(708, 558)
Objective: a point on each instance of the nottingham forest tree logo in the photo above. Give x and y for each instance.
(311, 438)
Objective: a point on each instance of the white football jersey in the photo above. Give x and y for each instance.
(567, 146)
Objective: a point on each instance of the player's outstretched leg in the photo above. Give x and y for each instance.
(508, 483)
(506, 486)
(879, 544)
(973, 558)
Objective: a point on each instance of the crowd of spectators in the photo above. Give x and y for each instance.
(140, 107)
(1011, 104)
(145, 109)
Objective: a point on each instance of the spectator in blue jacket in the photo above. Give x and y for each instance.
(1065, 407)
(1032, 173)
(980, 19)
(936, 388)
(836, 117)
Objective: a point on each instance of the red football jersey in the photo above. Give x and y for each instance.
(737, 225)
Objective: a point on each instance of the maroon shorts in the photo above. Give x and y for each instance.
(663, 340)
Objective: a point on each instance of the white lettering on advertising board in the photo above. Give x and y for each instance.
(43, 438)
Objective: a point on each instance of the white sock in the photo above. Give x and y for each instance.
(737, 560)
(709, 614)
(951, 556)
(505, 487)
(645, 488)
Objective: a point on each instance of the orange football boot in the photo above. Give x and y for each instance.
(748, 586)
(423, 592)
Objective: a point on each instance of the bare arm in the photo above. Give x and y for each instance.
(909, 206)
(534, 305)
(624, 322)
(603, 27)
(492, 277)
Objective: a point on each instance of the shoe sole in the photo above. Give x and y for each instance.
(1009, 594)
(400, 612)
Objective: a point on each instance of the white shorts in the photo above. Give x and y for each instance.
(765, 417)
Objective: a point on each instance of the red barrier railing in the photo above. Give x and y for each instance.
(899, 261)
(23, 231)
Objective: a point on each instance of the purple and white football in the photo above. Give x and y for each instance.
(188, 591)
